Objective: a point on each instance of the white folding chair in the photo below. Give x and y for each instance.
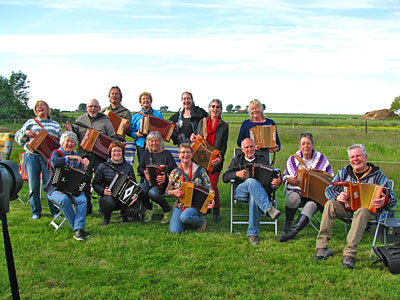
(242, 218)
(59, 220)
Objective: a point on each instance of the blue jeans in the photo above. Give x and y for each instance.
(34, 165)
(252, 191)
(155, 195)
(189, 218)
(76, 220)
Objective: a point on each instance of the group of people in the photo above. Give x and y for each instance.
(190, 122)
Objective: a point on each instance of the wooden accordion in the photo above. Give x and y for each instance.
(70, 180)
(150, 123)
(204, 153)
(96, 142)
(313, 184)
(154, 171)
(124, 189)
(196, 196)
(117, 122)
(44, 143)
(361, 195)
(264, 174)
(264, 136)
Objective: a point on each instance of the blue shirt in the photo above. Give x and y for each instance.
(135, 124)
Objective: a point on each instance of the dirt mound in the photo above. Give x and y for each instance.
(382, 114)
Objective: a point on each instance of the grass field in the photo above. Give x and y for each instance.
(144, 261)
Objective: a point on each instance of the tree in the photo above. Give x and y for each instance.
(395, 107)
(263, 106)
(82, 107)
(237, 107)
(229, 108)
(164, 109)
(14, 97)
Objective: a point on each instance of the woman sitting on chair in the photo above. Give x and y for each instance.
(313, 160)
(187, 171)
(156, 154)
(66, 156)
(256, 118)
(103, 177)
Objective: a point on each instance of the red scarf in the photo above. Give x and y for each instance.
(211, 131)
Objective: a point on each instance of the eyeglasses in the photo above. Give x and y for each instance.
(185, 152)
(215, 106)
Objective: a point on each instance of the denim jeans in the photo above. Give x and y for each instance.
(34, 165)
(252, 191)
(76, 220)
(189, 218)
(156, 195)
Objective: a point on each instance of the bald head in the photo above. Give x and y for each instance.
(93, 107)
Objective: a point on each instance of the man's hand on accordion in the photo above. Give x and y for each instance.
(343, 197)
(242, 174)
(107, 191)
(276, 181)
(378, 203)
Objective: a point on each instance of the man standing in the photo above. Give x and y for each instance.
(94, 119)
(359, 170)
(250, 189)
(115, 96)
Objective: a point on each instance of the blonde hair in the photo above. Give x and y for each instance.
(45, 103)
(256, 102)
(145, 94)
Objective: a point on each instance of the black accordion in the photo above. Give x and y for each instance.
(70, 180)
(124, 189)
(264, 174)
(154, 171)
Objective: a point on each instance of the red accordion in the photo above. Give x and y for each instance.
(44, 143)
(96, 142)
(150, 123)
(155, 170)
(204, 153)
(117, 122)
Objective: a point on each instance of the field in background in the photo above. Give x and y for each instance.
(144, 261)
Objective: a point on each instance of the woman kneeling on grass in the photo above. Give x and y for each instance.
(186, 217)
(66, 156)
(103, 177)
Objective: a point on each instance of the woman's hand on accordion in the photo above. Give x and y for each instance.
(192, 137)
(216, 161)
(378, 203)
(274, 149)
(293, 180)
(107, 191)
(161, 178)
(31, 134)
(177, 193)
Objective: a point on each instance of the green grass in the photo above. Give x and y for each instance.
(144, 261)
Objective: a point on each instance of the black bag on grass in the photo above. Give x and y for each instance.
(390, 257)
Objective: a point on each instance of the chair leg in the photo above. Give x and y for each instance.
(375, 237)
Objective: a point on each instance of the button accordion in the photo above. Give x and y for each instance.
(117, 122)
(361, 195)
(264, 174)
(313, 184)
(264, 136)
(124, 189)
(204, 153)
(196, 196)
(96, 142)
(155, 170)
(44, 143)
(71, 181)
(150, 123)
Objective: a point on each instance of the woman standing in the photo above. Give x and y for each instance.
(216, 133)
(156, 154)
(34, 164)
(186, 120)
(256, 118)
(103, 177)
(307, 157)
(66, 156)
(188, 217)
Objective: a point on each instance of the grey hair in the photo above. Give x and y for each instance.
(152, 135)
(215, 100)
(355, 146)
(256, 102)
(306, 135)
(68, 135)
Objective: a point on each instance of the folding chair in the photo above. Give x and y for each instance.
(59, 219)
(237, 218)
(6, 144)
(130, 149)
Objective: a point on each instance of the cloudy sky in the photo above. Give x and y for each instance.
(339, 56)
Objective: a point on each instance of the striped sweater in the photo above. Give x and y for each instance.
(50, 125)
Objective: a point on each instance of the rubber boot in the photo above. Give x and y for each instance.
(300, 223)
(289, 214)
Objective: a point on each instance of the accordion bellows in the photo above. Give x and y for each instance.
(264, 136)
(196, 196)
(204, 153)
(150, 123)
(124, 189)
(264, 174)
(96, 142)
(313, 184)
(154, 171)
(44, 143)
(70, 181)
(361, 195)
(117, 122)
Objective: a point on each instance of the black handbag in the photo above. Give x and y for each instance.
(390, 257)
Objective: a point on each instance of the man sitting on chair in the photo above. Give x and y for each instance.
(250, 189)
(359, 170)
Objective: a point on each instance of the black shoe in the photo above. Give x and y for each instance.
(89, 212)
(105, 222)
(348, 262)
(85, 234)
(323, 253)
(124, 219)
(79, 236)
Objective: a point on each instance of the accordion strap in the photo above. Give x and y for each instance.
(301, 161)
(40, 124)
(195, 175)
(116, 170)
(205, 133)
